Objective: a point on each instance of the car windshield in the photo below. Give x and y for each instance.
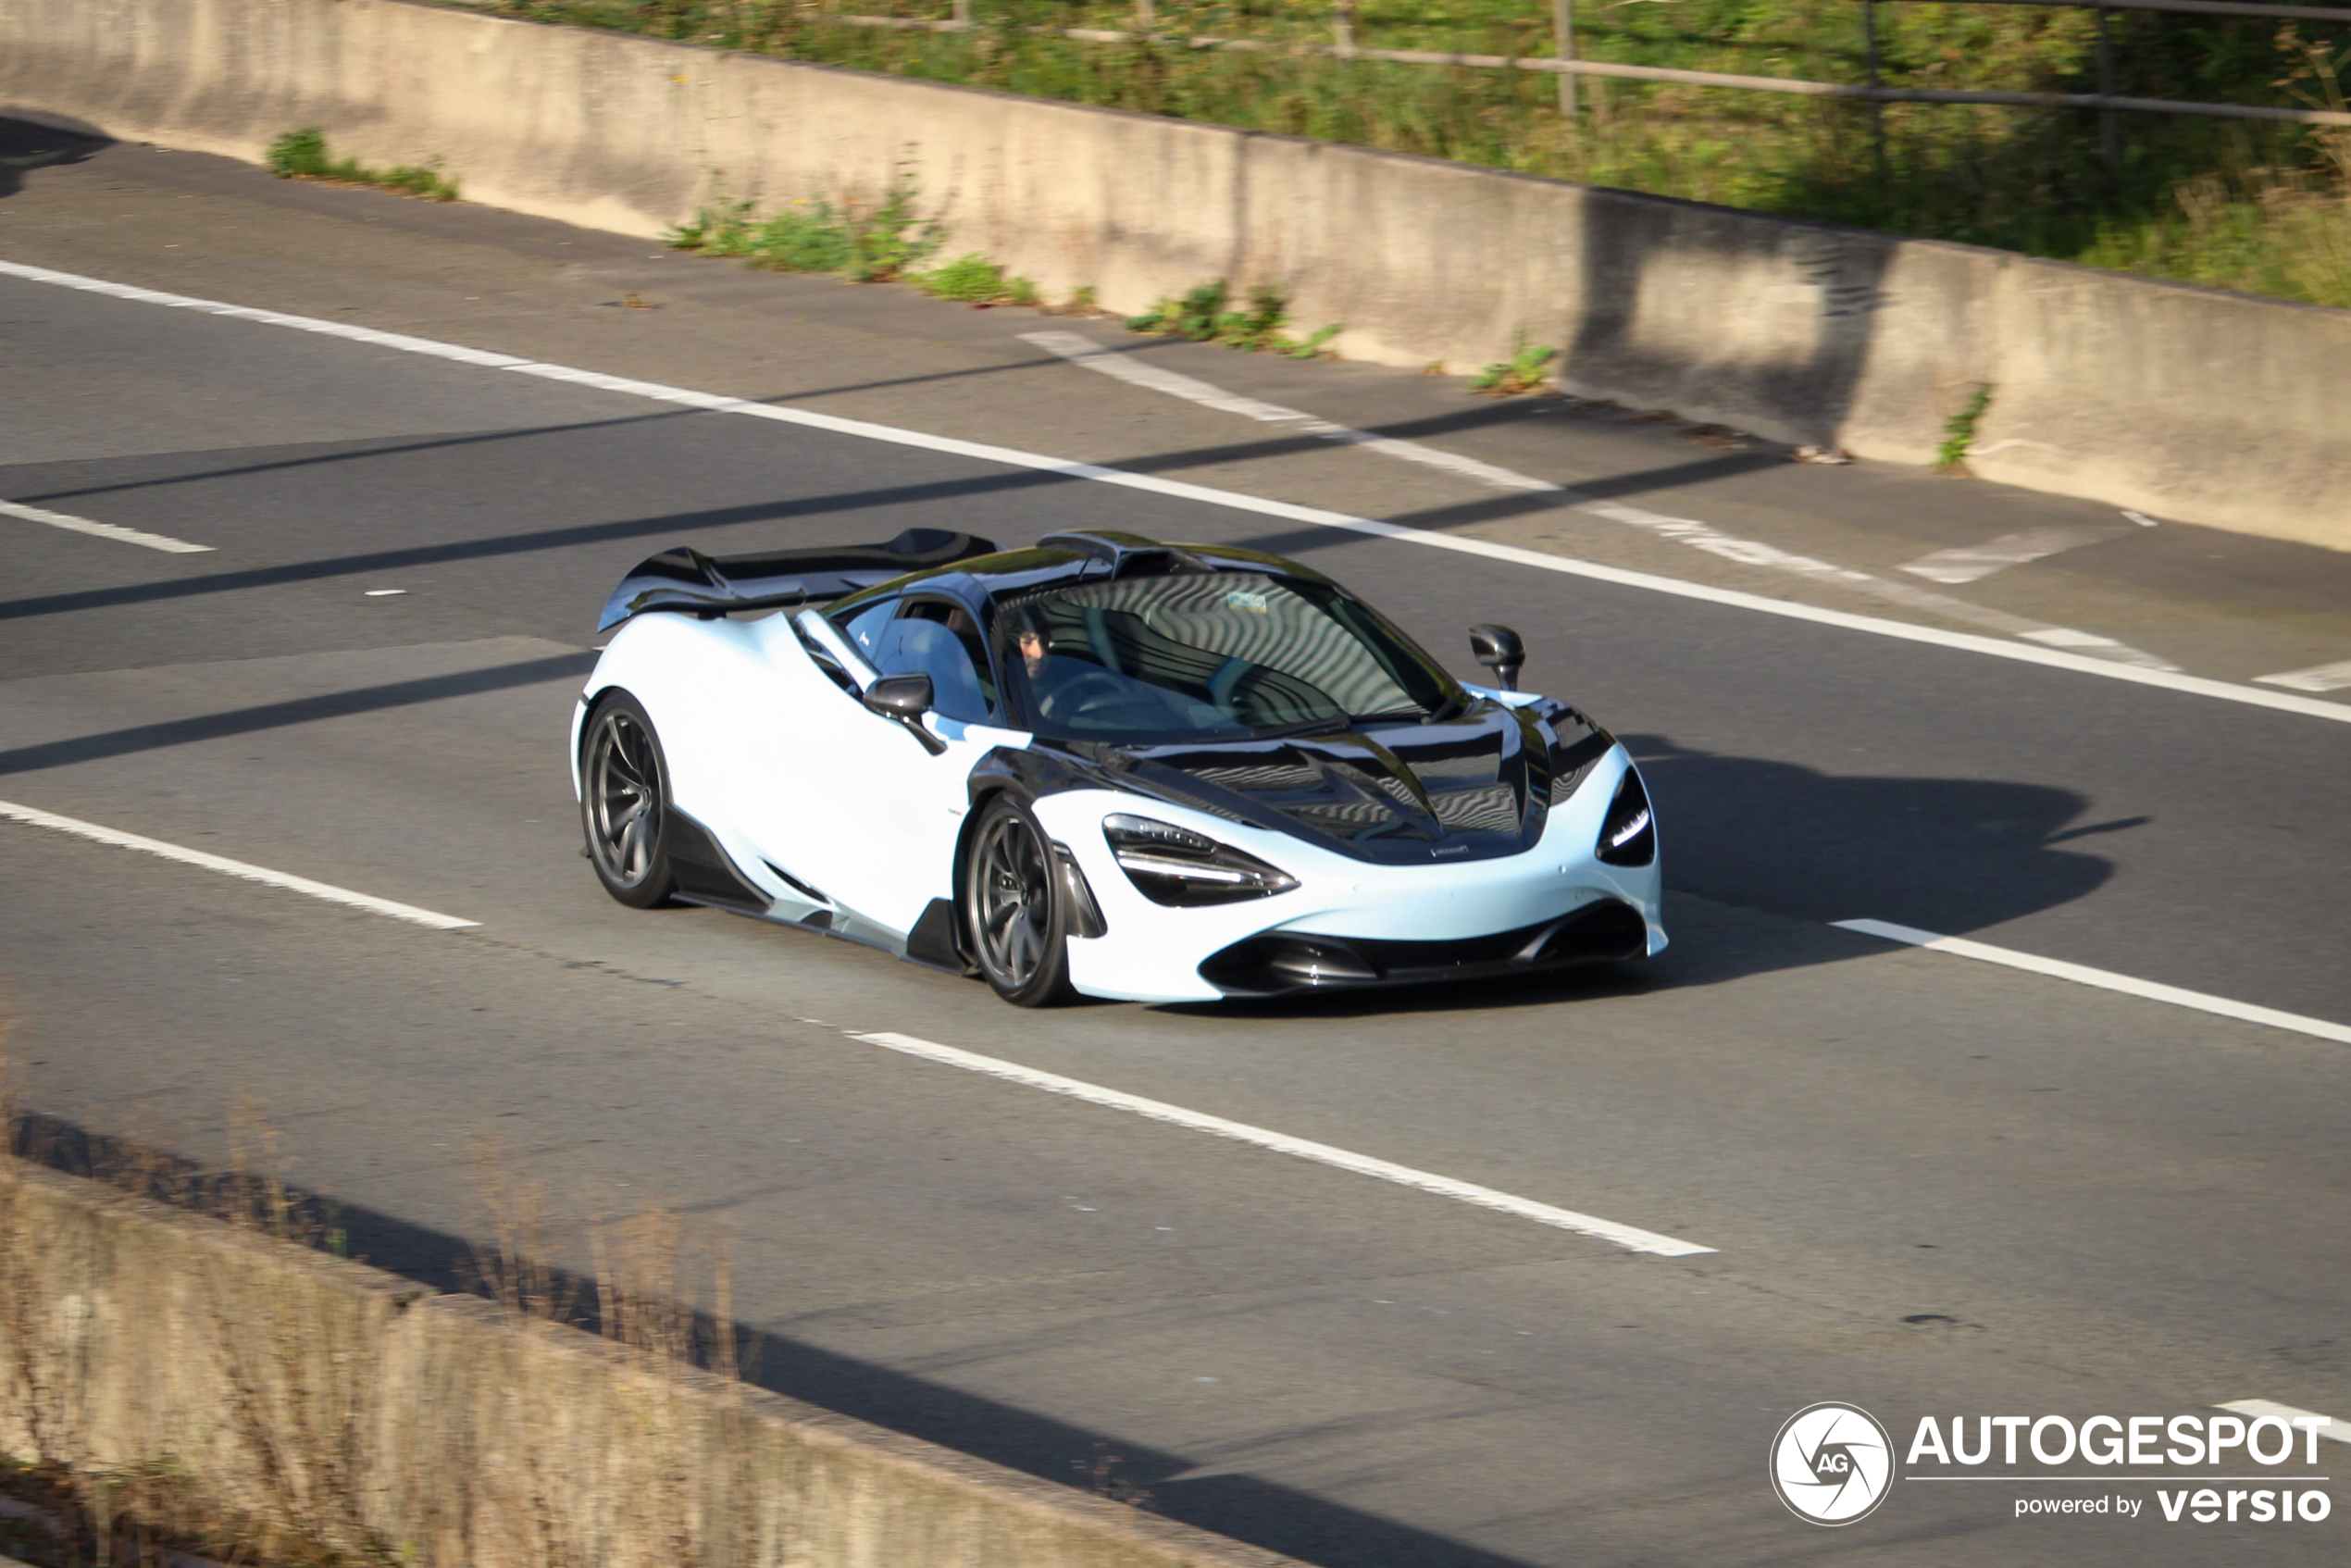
(1208, 654)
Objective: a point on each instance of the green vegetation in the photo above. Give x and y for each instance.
(2244, 205)
(1205, 316)
(1522, 372)
(976, 278)
(1958, 432)
(871, 246)
(302, 154)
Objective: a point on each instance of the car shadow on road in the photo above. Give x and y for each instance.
(1761, 856)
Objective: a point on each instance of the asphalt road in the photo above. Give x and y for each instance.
(1934, 1186)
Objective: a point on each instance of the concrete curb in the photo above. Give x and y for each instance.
(2188, 404)
(363, 1408)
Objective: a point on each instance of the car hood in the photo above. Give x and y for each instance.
(1469, 788)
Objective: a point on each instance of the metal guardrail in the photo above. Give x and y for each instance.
(1568, 67)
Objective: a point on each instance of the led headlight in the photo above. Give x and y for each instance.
(1174, 866)
(1628, 834)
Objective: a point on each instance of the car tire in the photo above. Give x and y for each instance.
(624, 803)
(1015, 918)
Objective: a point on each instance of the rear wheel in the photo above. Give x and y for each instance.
(1013, 912)
(624, 797)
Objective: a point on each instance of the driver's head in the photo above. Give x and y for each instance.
(1031, 643)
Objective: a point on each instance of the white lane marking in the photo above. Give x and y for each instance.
(2339, 1430)
(1083, 351)
(1236, 500)
(2319, 677)
(102, 531)
(2141, 518)
(2105, 979)
(1624, 1236)
(1972, 563)
(368, 901)
(384, 592)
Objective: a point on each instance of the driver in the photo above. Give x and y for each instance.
(1048, 677)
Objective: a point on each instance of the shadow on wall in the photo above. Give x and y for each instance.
(25, 146)
(1647, 332)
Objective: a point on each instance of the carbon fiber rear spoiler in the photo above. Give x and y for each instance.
(685, 578)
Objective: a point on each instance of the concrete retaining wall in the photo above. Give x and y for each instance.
(2188, 404)
(291, 1386)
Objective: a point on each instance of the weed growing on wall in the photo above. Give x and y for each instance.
(1522, 372)
(870, 245)
(1207, 314)
(975, 280)
(302, 155)
(1958, 432)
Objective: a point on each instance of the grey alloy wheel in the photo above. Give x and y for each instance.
(1012, 907)
(623, 801)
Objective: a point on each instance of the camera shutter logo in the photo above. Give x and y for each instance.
(1832, 1463)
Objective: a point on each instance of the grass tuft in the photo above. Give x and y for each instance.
(1958, 432)
(302, 155)
(1207, 314)
(1522, 372)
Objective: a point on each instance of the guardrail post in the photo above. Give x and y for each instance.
(1146, 15)
(1343, 23)
(963, 13)
(2110, 122)
(1564, 47)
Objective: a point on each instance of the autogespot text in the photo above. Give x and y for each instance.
(2211, 1469)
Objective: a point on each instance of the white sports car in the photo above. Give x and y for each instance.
(1108, 765)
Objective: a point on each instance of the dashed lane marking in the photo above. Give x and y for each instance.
(2332, 1427)
(1624, 1236)
(2105, 979)
(2318, 677)
(1972, 563)
(33, 818)
(1313, 516)
(102, 531)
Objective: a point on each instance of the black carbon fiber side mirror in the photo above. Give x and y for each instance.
(1500, 650)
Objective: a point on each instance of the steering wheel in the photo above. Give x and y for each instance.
(1084, 694)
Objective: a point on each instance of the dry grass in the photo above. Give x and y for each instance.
(283, 1477)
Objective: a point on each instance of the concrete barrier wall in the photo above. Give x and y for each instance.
(2187, 404)
(285, 1384)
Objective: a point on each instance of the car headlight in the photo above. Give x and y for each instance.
(1174, 866)
(1629, 833)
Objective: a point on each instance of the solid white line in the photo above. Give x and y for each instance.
(2105, 979)
(2318, 677)
(1624, 1236)
(2052, 658)
(1972, 563)
(102, 531)
(2339, 1430)
(368, 901)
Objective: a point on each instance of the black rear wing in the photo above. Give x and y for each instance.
(685, 578)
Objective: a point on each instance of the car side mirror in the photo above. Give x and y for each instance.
(906, 698)
(1500, 650)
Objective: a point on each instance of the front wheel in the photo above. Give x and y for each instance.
(1013, 912)
(624, 797)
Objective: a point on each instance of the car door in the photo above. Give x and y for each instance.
(881, 843)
